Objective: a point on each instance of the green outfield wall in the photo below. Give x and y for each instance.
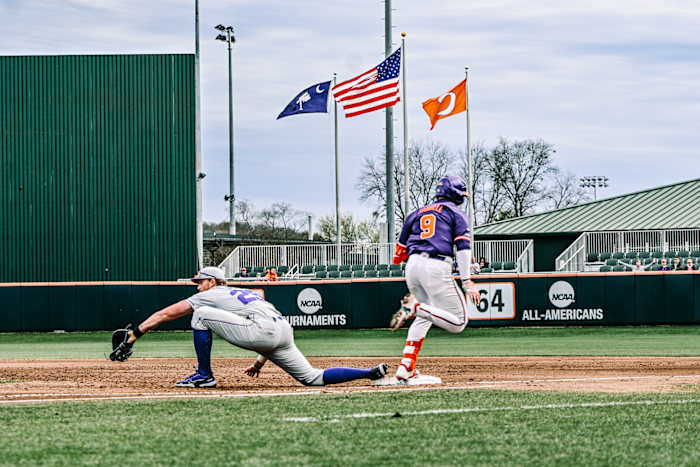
(506, 300)
(97, 168)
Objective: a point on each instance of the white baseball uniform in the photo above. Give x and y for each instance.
(244, 319)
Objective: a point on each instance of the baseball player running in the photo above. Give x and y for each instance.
(428, 241)
(242, 318)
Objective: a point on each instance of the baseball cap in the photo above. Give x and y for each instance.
(210, 272)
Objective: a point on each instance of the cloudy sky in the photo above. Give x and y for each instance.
(614, 86)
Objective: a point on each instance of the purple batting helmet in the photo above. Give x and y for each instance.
(452, 188)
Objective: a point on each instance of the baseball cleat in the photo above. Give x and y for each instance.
(378, 372)
(197, 380)
(404, 374)
(406, 312)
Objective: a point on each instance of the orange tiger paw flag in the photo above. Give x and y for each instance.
(451, 103)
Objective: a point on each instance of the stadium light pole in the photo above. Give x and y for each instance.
(231, 197)
(594, 182)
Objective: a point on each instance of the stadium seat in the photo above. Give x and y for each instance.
(382, 266)
(307, 269)
(669, 254)
(611, 262)
(618, 255)
(356, 267)
(344, 267)
(358, 273)
(509, 266)
(496, 265)
(631, 255)
(618, 269)
(333, 274)
(346, 274)
(695, 253)
(383, 273)
(657, 254)
(370, 267)
(282, 269)
(397, 273)
(258, 270)
(320, 268)
(403, 266)
(605, 269)
(592, 257)
(321, 274)
(605, 256)
(683, 253)
(486, 270)
(648, 260)
(644, 254)
(333, 267)
(371, 274)
(394, 267)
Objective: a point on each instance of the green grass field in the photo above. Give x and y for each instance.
(434, 427)
(608, 341)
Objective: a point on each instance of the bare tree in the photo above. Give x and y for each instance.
(564, 190)
(489, 199)
(244, 212)
(350, 231)
(427, 163)
(520, 169)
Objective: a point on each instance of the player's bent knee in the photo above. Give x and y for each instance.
(312, 379)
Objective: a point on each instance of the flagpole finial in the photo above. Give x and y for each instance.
(403, 34)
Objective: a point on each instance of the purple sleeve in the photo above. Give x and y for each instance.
(406, 230)
(462, 239)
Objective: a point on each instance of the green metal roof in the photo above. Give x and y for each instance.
(674, 206)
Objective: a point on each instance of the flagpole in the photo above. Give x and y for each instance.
(405, 127)
(337, 177)
(389, 135)
(470, 208)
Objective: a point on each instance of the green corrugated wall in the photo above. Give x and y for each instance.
(97, 158)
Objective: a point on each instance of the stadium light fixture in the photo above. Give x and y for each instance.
(230, 197)
(594, 182)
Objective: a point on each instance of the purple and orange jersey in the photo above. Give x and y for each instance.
(434, 229)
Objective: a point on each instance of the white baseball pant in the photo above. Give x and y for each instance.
(271, 337)
(441, 302)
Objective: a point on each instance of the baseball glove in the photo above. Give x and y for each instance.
(121, 349)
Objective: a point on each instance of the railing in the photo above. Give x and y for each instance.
(526, 260)
(519, 251)
(503, 250)
(575, 256)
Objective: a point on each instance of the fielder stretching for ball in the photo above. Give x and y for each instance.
(242, 318)
(427, 243)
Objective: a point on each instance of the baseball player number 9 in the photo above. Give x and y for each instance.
(427, 226)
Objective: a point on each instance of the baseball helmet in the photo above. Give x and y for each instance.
(452, 188)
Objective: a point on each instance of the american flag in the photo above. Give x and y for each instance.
(373, 90)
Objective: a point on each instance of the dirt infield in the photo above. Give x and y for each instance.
(153, 378)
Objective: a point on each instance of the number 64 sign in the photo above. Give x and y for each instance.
(497, 301)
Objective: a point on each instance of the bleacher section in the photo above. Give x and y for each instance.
(616, 261)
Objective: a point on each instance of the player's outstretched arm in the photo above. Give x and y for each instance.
(169, 313)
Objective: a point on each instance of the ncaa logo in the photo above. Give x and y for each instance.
(309, 301)
(561, 294)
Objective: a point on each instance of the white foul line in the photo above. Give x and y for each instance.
(337, 418)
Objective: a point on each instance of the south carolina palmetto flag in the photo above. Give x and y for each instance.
(372, 90)
(451, 103)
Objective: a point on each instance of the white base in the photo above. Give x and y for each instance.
(418, 380)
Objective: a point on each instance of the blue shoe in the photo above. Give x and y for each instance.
(197, 380)
(379, 371)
